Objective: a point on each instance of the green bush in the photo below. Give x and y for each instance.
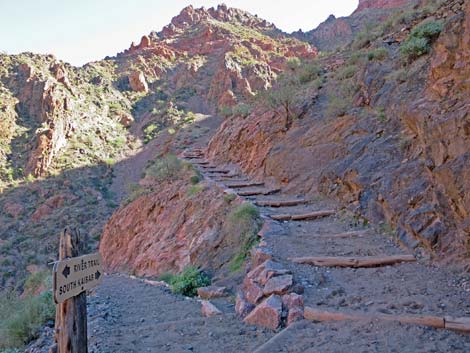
(378, 54)
(420, 39)
(241, 109)
(194, 189)
(22, 319)
(244, 220)
(309, 73)
(229, 197)
(293, 63)
(195, 179)
(188, 281)
(225, 111)
(346, 72)
(165, 169)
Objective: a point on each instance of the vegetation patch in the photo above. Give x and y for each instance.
(166, 168)
(245, 221)
(188, 281)
(420, 39)
(23, 318)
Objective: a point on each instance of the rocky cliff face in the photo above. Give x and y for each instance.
(398, 154)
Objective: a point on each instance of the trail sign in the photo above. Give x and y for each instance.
(75, 275)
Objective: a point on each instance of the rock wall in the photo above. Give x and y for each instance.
(168, 230)
(410, 171)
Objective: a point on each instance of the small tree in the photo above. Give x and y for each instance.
(284, 93)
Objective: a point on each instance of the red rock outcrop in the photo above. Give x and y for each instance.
(137, 82)
(380, 4)
(168, 230)
(410, 171)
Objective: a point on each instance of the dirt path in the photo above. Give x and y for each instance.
(127, 315)
(416, 288)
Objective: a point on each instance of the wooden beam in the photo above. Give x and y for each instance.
(301, 217)
(352, 234)
(258, 192)
(281, 203)
(355, 262)
(461, 324)
(325, 316)
(244, 185)
(218, 171)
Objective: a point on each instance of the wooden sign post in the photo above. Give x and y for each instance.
(73, 275)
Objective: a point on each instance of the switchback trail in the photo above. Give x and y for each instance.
(306, 237)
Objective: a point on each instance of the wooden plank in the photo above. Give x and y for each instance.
(301, 217)
(244, 185)
(352, 234)
(281, 203)
(313, 314)
(461, 324)
(218, 171)
(355, 262)
(258, 192)
(71, 315)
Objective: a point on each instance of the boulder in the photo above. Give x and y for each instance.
(242, 306)
(137, 82)
(211, 292)
(209, 310)
(278, 285)
(267, 314)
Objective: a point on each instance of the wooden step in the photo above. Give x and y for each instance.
(352, 234)
(461, 324)
(281, 203)
(258, 192)
(324, 316)
(193, 157)
(201, 163)
(244, 185)
(355, 262)
(218, 171)
(302, 217)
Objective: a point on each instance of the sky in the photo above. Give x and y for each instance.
(80, 31)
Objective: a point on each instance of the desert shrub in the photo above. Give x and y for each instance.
(309, 72)
(194, 190)
(225, 111)
(241, 109)
(244, 220)
(195, 179)
(380, 114)
(229, 197)
(337, 106)
(420, 39)
(378, 54)
(346, 72)
(166, 168)
(293, 63)
(188, 281)
(151, 131)
(23, 318)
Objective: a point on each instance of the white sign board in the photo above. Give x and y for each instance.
(76, 275)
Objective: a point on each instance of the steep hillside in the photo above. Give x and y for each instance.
(386, 132)
(66, 130)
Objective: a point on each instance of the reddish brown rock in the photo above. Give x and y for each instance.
(211, 292)
(267, 314)
(51, 204)
(126, 119)
(252, 291)
(137, 82)
(294, 304)
(209, 310)
(278, 285)
(242, 306)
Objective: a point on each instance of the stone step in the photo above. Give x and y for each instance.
(302, 217)
(355, 262)
(218, 171)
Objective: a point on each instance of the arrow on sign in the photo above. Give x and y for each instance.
(66, 271)
(97, 275)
